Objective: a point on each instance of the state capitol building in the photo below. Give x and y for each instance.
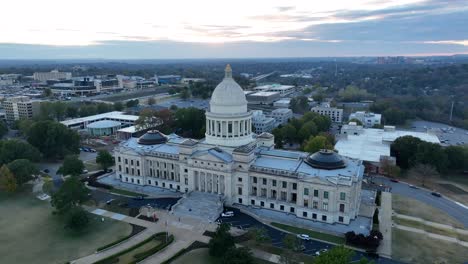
(244, 168)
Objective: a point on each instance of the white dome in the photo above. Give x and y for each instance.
(228, 96)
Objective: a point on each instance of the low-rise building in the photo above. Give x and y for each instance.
(281, 115)
(20, 107)
(83, 122)
(52, 75)
(367, 119)
(261, 123)
(192, 80)
(282, 103)
(167, 79)
(283, 90)
(262, 98)
(335, 114)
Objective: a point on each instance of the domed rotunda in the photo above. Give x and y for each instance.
(228, 122)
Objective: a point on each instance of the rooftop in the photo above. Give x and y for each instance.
(109, 115)
(104, 124)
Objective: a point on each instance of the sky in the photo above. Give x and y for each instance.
(176, 29)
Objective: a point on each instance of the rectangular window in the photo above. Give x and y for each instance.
(120, 167)
(273, 183)
(138, 163)
(325, 206)
(306, 191)
(272, 205)
(239, 191)
(240, 200)
(264, 181)
(262, 204)
(324, 218)
(314, 216)
(138, 172)
(252, 202)
(342, 196)
(316, 193)
(118, 159)
(126, 161)
(239, 179)
(282, 207)
(304, 214)
(285, 184)
(291, 209)
(325, 195)
(131, 162)
(342, 206)
(340, 219)
(294, 186)
(306, 203)
(315, 204)
(254, 179)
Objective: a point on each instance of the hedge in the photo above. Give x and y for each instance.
(118, 240)
(114, 258)
(141, 256)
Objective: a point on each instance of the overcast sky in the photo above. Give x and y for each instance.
(151, 29)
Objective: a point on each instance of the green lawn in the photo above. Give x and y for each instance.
(31, 234)
(201, 256)
(415, 248)
(129, 256)
(311, 233)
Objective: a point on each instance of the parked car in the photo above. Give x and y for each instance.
(85, 171)
(109, 201)
(317, 253)
(227, 214)
(46, 170)
(303, 237)
(436, 194)
(92, 150)
(413, 186)
(394, 180)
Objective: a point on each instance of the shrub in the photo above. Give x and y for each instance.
(372, 241)
(375, 218)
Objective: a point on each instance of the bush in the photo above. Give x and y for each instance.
(378, 198)
(376, 216)
(372, 241)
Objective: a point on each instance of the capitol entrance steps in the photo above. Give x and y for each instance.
(205, 206)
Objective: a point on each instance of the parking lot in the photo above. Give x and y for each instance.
(448, 135)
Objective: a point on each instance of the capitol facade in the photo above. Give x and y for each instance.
(244, 168)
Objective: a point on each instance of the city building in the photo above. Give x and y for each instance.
(52, 75)
(372, 145)
(262, 98)
(281, 115)
(83, 122)
(243, 169)
(192, 80)
(88, 85)
(20, 107)
(103, 128)
(262, 123)
(335, 114)
(282, 103)
(367, 119)
(283, 90)
(167, 79)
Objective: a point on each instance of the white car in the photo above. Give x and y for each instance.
(321, 252)
(303, 237)
(227, 214)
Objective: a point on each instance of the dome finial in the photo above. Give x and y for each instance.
(228, 72)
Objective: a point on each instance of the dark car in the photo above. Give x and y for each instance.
(139, 198)
(46, 170)
(394, 180)
(436, 194)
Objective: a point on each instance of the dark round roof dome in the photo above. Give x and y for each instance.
(325, 159)
(152, 137)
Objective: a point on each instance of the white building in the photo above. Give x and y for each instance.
(282, 103)
(371, 144)
(366, 118)
(192, 80)
(243, 169)
(262, 123)
(83, 122)
(281, 115)
(283, 90)
(335, 114)
(20, 107)
(52, 75)
(262, 98)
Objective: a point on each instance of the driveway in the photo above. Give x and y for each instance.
(451, 208)
(244, 221)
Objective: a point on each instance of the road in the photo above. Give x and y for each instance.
(104, 196)
(244, 221)
(451, 208)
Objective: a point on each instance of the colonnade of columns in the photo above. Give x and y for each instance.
(228, 129)
(209, 182)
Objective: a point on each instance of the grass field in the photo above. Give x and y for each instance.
(311, 233)
(411, 247)
(412, 207)
(201, 256)
(34, 235)
(431, 229)
(128, 257)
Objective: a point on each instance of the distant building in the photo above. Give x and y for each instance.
(335, 114)
(281, 115)
(88, 85)
(192, 80)
(52, 75)
(20, 107)
(84, 122)
(282, 103)
(372, 145)
(103, 128)
(263, 98)
(168, 79)
(261, 123)
(366, 118)
(283, 90)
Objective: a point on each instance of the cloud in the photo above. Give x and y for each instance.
(449, 42)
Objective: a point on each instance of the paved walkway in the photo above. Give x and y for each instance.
(432, 235)
(385, 225)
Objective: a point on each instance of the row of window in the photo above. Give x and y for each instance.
(150, 182)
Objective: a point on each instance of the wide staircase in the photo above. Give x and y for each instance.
(205, 206)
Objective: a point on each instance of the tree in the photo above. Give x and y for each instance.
(47, 92)
(292, 242)
(336, 255)
(389, 168)
(185, 94)
(423, 172)
(241, 255)
(457, 157)
(3, 129)
(72, 193)
(72, 165)
(191, 121)
(221, 241)
(24, 125)
(432, 154)
(23, 170)
(353, 94)
(132, 103)
(14, 149)
(317, 143)
(307, 130)
(299, 104)
(151, 101)
(318, 97)
(105, 159)
(404, 149)
(77, 218)
(288, 132)
(7, 180)
(259, 234)
(118, 106)
(148, 119)
(53, 139)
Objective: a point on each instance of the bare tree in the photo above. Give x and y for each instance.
(423, 172)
